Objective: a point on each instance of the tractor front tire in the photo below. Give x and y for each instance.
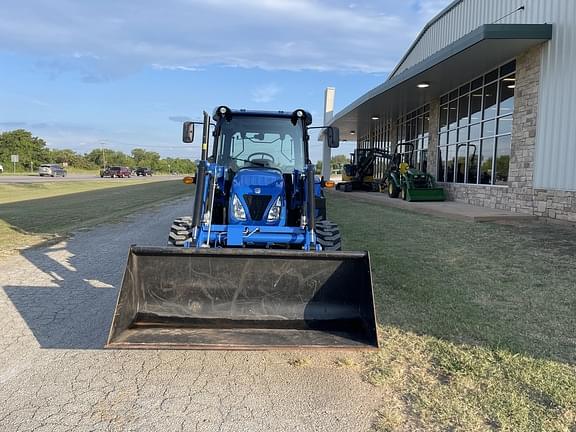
(404, 193)
(328, 235)
(393, 191)
(180, 231)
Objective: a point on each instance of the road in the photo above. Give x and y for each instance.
(73, 177)
(56, 305)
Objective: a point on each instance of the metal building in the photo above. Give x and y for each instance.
(487, 95)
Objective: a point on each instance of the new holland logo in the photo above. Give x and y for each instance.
(257, 190)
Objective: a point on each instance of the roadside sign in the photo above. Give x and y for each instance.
(14, 159)
(65, 164)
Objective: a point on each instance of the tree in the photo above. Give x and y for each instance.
(339, 159)
(30, 149)
(71, 158)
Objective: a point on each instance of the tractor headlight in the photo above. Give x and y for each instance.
(238, 209)
(274, 212)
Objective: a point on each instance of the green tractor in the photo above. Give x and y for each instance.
(409, 183)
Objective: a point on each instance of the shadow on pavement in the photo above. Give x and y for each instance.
(77, 311)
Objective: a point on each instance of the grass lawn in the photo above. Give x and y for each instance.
(31, 213)
(478, 321)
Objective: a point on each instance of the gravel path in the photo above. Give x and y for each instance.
(56, 304)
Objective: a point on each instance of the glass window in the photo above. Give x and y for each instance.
(444, 138)
(475, 132)
(424, 161)
(443, 118)
(490, 101)
(486, 159)
(477, 83)
(502, 160)
(243, 141)
(476, 106)
(464, 89)
(441, 163)
(475, 126)
(491, 76)
(463, 134)
(508, 68)
(413, 131)
(489, 128)
(461, 155)
(463, 110)
(473, 149)
(451, 153)
(505, 125)
(507, 86)
(452, 114)
(419, 128)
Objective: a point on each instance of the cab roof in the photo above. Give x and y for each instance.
(258, 113)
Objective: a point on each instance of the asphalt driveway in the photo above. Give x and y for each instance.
(56, 304)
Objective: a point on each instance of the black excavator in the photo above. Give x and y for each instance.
(359, 173)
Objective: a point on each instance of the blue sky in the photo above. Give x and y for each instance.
(127, 73)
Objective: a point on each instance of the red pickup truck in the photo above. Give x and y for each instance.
(116, 171)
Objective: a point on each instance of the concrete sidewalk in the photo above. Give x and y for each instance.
(449, 209)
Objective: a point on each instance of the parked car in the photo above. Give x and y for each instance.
(116, 171)
(1, 169)
(51, 170)
(141, 171)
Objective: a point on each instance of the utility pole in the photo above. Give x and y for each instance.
(328, 115)
(103, 155)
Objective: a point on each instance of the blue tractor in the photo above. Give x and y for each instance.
(258, 188)
(257, 263)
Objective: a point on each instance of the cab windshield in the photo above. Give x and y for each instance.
(260, 142)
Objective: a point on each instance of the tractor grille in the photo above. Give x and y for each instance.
(257, 205)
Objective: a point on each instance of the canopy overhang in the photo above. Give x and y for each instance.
(465, 59)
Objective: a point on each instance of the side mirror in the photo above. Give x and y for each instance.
(188, 132)
(333, 136)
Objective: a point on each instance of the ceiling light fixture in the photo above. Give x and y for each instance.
(375, 117)
(511, 86)
(423, 85)
(352, 132)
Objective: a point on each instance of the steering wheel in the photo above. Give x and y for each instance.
(267, 156)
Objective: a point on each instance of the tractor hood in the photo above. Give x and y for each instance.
(258, 190)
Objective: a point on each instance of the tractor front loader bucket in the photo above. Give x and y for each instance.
(252, 299)
(425, 194)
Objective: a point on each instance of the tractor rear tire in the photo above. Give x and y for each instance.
(393, 191)
(328, 235)
(180, 231)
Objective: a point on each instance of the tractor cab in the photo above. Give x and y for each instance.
(263, 156)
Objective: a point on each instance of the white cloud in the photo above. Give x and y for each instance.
(265, 93)
(175, 68)
(108, 38)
